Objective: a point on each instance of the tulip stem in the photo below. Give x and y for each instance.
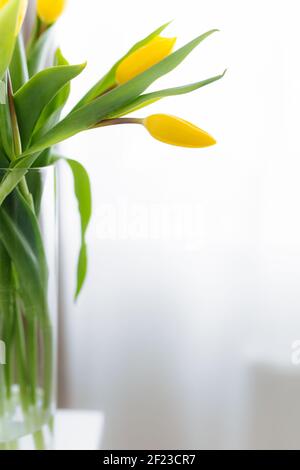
(13, 118)
(113, 122)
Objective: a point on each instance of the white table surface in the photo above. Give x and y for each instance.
(78, 430)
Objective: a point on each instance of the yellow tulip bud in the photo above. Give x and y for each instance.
(22, 13)
(175, 131)
(144, 58)
(50, 10)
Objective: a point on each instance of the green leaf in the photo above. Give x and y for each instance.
(14, 175)
(2, 92)
(44, 159)
(18, 66)
(26, 221)
(81, 268)
(8, 24)
(92, 113)
(109, 79)
(150, 98)
(4, 162)
(32, 98)
(82, 188)
(31, 273)
(39, 52)
(7, 316)
(6, 134)
(52, 112)
(5, 280)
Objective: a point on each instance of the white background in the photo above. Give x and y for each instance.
(183, 334)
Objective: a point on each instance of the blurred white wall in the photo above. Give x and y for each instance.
(183, 333)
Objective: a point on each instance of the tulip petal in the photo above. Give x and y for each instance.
(144, 58)
(176, 131)
(50, 11)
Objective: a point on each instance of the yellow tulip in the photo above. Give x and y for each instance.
(50, 10)
(22, 13)
(175, 131)
(144, 58)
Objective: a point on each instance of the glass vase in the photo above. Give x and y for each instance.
(28, 310)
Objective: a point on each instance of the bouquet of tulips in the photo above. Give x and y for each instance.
(32, 98)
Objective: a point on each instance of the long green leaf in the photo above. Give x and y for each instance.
(39, 53)
(87, 116)
(109, 79)
(6, 134)
(30, 276)
(6, 307)
(18, 66)
(5, 280)
(83, 195)
(32, 98)
(51, 113)
(8, 23)
(4, 162)
(14, 175)
(44, 159)
(149, 98)
(26, 221)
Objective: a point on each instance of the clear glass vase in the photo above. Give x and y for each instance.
(28, 308)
